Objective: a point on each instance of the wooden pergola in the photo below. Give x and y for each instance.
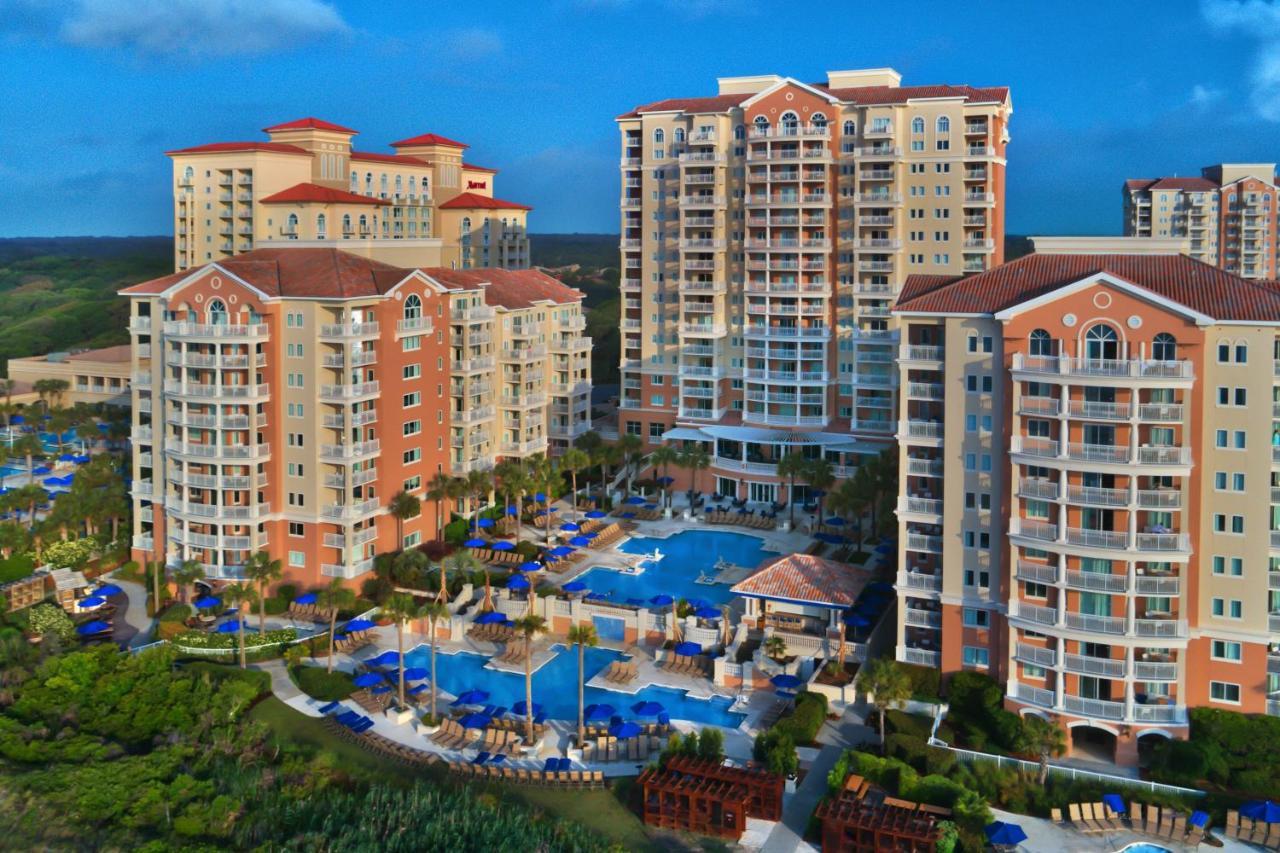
(708, 798)
(862, 821)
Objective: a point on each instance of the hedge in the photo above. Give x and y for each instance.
(803, 723)
(319, 684)
(1227, 749)
(978, 716)
(925, 681)
(216, 640)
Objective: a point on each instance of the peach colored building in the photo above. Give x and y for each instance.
(765, 232)
(1089, 489)
(282, 397)
(92, 375)
(1228, 215)
(308, 185)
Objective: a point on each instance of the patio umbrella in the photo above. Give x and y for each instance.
(575, 586)
(513, 510)
(108, 589)
(579, 541)
(386, 658)
(662, 601)
(636, 500)
(367, 679)
(91, 601)
(627, 515)
(857, 620)
(1005, 834)
(358, 625)
(665, 481)
(471, 697)
(829, 538)
(1263, 810)
(307, 598)
(624, 730)
(414, 673)
(560, 551)
(229, 627)
(598, 712)
(208, 601)
(493, 617)
(417, 688)
(688, 649)
(699, 603)
(707, 613)
(1198, 818)
(529, 567)
(590, 536)
(595, 513)
(475, 721)
(835, 521)
(474, 543)
(97, 626)
(786, 681)
(539, 497)
(570, 527)
(522, 709)
(518, 582)
(647, 709)
(484, 523)
(1114, 802)
(503, 546)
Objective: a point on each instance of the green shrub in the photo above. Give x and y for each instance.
(276, 606)
(215, 640)
(319, 684)
(777, 752)
(804, 721)
(51, 619)
(908, 748)
(925, 681)
(916, 725)
(1226, 748)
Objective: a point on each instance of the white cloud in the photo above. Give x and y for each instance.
(472, 43)
(1202, 96)
(1260, 20)
(196, 28)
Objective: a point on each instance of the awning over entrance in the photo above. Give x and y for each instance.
(760, 435)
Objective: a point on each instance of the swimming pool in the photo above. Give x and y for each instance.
(1144, 847)
(555, 686)
(686, 555)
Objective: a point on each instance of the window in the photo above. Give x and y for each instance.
(413, 454)
(917, 125)
(297, 559)
(975, 656)
(849, 128)
(1164, 347)
(944, 124)
(1228, 608)
(1101, 343)
(411, 399)
(295, 469)
(297, 528)
(1040, 343)
(411, 428)
(413, 307)
(1225, 650)
(411, 343)
(656, 430)
(217, 312)
(413, 483)
(1222, 691)
(1233, 566)
(411, 371)
(975, 618)
(818, 120)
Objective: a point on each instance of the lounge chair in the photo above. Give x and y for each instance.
(1077, 819)
(1109, 819)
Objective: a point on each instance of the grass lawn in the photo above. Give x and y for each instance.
(16, 567)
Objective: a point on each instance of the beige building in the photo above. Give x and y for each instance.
(307, 186)
(1110, 245)
(92, 376)
(1090, 482)
(1228, 215)
(765, 232)
(282, 397)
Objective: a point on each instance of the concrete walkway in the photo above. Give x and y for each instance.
(136, 630)
(788, 835)
(282, 685)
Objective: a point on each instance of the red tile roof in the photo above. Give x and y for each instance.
(302, 193)
(508, 288)
(473, 167)
(375, 157)
(806, 579)
(219, 147)
(305, 273)
(1186, 281)
(902, 94)
(121, 352)
(713, 104)
(475, 201)
(429, 139)
(1191, 184)
(311, 124)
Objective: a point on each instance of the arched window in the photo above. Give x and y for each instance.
(849, 128)
(762, 125)
(679, 137)
(790, 123)
(466, 226)
(368, 183)
(291, 225)
(1164, 347)
(364, 224)
(413, 185)
(659, 136)
(1101, 343)
(188, 175)
(739, 132)
(1041, 343)
(355, 182)
(320, 224)
(413, 307)
(944, 124)
(217, 312)
(382, 183)
(917, 125)
(818, 120)
(346, 224)
(426, 186)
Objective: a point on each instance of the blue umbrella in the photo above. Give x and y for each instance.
(17, 419)
(414, 673)
(522, 709)
(857, 620)
(92, 601)
(474, 543)
(707, 613)
(1263, 810)
(97, 626)
(484, 523)
(885, 549)
(627, 515)
(475, 721)
(665, 481)
(307, 598)
(539, 497)
(624, 730)
(575, 586)
(207, 602)
(108, 589)
(662, 601)
(1112, 801)
(635, 500)
(560, 551)
(688, 649)
(570, 527)
(590, 536)
(513, 510)
(835, 521)
(229, 627)
(1198, 818)
(471, 697)
(699, 603)
(786, 681)
(829, 538)
(518, 582)
(598, 712)
(579, 541)
(1005, 834)
(647, 709)
(529, 567)
(493, 617)
(417, 688)
(358, 625)
(367, 679)
(386, 658)
(503, 546)
(595, 513)
(381, 689)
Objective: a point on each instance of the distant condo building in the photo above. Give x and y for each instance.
(307, 185)
(1228, 215)
(1089, 480)
(283, 396)
(765, 233)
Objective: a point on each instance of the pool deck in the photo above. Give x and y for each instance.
(1044, 834)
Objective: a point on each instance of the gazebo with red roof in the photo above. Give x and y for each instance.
(801, 597)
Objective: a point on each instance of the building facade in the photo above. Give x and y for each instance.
(765, 233)
(92, 376)
(1228, 215)
(1088, 505)
(307, 185)
(282, 397)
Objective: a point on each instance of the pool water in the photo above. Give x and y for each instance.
(7, 471)
(555, 686)
(1144, 847)
(685, 555)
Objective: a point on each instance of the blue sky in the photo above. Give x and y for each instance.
(96, 90)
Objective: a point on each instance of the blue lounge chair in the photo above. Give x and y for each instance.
(497, 759)
(481, 758)
(331, 707)
(550, 766)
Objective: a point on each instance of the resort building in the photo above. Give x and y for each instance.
(1089, 486)
(92, 376)
(282, 397)
(1228, 215)
(765, 233)
(306, 185)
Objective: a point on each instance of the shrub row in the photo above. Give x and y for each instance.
(803, 723)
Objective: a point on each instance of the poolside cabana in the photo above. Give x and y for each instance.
(800, 598)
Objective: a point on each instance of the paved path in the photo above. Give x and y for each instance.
(788, 835)
(136, 630)
(281, 684)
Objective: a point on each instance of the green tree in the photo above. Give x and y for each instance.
(820, 476)
(775, 647)
(1043, 739)
(664, 457)
(695, 459)
(630, 448)
(513, 480)
(889, 686)
(29, 447)
(242, 595)
(529, 626)
(50, 391)
(439, 491)
(333, 598)
(479, 486)
(791, 466)
(606, 456)
(402, 610)
(403, 506)
(186, 574)
(572, 461)
(433, 611)
(261, 570)
(582, 635)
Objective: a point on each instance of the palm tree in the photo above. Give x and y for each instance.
(50, 391)
(791, 466)
(574, 460)
(511, 478)
(529, 626)
(187, 574)
(29, 447)
(606, 456)
(665, 456)
(629, 447)
(463, 563)
(479, 486)
(695, 459)
(433, 611)
(820, 477)
(402, 507)
(862, 491)
(582, 635)
(59, 422)
(6, 388)
(13, 538)
(438, 490)
(333, 598)
(401, 609)
(241, 595)
(157, 568)
(775, 647)
(888, 685)
(1042, 738)
(260, 569)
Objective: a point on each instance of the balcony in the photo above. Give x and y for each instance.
(217, 452)
(1035, 655)
(350, 512)
(350, 452)
(523, 401)
(473, 365)
(918, 618)
(533, 445)
(1099, 709)
(348, 392)
(471, 313)
(922, 657)
(1042, 365)
(1100, 667)
(348, 331)
(923, 543)
(215, 332)
(347, 572)
(342, 479)
(413, 326)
